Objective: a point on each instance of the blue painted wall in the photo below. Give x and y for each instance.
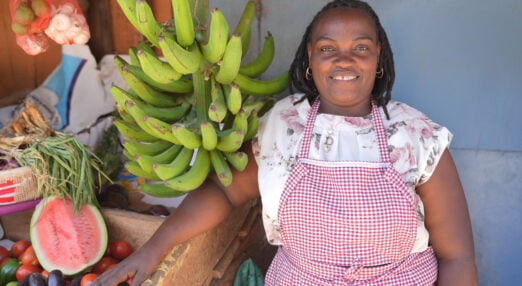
(460, 62)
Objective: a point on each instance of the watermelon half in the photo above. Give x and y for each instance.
(67, 240)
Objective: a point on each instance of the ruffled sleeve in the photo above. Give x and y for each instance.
(434, 140)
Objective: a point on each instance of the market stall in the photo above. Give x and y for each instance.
(167, 112)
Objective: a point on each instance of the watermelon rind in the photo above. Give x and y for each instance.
(40, 250)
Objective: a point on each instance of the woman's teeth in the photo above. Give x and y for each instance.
(352, 77)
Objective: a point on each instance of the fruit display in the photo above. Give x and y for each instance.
(66, 239)
(17, 271)
(188, 113)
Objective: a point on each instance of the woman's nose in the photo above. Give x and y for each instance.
(344, 58)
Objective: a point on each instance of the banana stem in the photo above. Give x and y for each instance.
(201, 95)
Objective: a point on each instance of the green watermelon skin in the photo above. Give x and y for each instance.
(67, 240)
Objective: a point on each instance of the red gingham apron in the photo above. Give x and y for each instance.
(348, 222)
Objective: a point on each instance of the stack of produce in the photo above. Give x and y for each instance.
(67, 230)
(200, 102)
(20, 266)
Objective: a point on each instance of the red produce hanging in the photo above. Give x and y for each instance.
(34, 22)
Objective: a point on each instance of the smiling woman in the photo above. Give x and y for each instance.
(356, 188)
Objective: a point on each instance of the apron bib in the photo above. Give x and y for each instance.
(348, 222)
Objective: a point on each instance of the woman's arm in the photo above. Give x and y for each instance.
(447, 220)
(200, 211)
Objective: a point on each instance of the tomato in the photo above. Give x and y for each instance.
(3, 253)
(3, 261)
(29, 257)
(25, 270)
(19, 247)
(101, 266)
(120, 249)
(108, 250)
(88, 279)
(45, 274)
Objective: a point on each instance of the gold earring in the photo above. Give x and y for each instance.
(308, 74)
(380, 73)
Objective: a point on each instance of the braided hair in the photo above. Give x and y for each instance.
(381, 92)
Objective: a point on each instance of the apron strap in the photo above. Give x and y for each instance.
(377, 122)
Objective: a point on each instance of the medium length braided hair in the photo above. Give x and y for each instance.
(381, 92)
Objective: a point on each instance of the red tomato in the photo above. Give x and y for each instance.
(3, 261)
(25, 270)
(45, 274)
(19, 247)
(108, 250)
(3, 253)
(101, 266)
(29, 257)
(88, 279)
(120, 249)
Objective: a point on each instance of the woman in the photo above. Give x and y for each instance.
(362, 190)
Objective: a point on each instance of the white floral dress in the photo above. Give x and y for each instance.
(415, 142)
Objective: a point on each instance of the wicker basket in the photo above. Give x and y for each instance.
(17, 185)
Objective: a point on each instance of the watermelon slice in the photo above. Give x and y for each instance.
(67, 240)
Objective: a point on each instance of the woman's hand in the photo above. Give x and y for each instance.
(138, 266)
(200, 211)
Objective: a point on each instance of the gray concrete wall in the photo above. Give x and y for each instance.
(459, 62)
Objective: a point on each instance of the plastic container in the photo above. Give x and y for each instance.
(130, 181)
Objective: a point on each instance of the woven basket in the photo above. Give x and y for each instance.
(17, 185)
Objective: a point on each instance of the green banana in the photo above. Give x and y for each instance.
(128, 155)
(129, 10)
(230, 140)
(244, 26)
(175, 167)
(147, 162)
(135, 169)
(157, 69)
(142, 89)
(144, 162)
(218, 108)
(241, 121)
(168, 114)
(221, 167)
(161, 129)
(183, 22)
(149, 27)
(195, 176)
(231, 61)
(262, 87)
(233, 97)
(208, 135)
(160, 191)
(133, 55)
(258, 66)
(124, 115)
(215, 47)
(149, 149)
(183, 61)
(188, 138)
(255, 105)
(253, 125)
(183, 85)
(133, 131)
(238, 160)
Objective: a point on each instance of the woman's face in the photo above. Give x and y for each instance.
(343, 53)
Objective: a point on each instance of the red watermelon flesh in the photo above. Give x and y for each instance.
(67, 240)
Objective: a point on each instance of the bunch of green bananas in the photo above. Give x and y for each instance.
(188, 114)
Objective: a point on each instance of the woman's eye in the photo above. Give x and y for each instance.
(361, 48)
(326, 49)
